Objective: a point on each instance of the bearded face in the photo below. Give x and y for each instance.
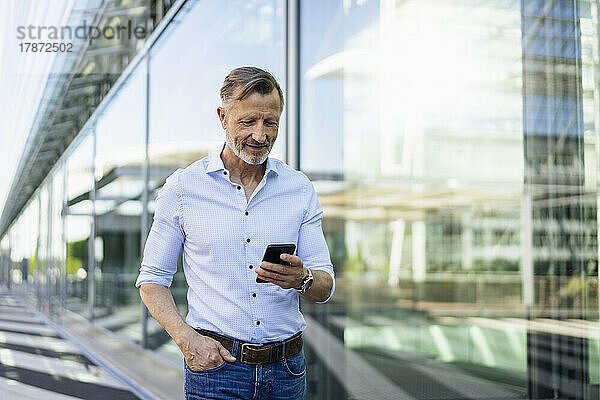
(251, 126)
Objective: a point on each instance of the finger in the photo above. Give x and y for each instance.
(272, 267)
(282, 270)
(226, 354)
(215, 359)
(276, 279)
(295, 261)
(265, 273)
(212, 357)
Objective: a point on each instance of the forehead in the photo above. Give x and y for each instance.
(256, 103)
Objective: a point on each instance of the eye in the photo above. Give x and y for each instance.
(246, 122)
(271, 123)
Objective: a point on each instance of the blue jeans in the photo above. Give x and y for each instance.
(281, 380)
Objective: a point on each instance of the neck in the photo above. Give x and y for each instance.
(240, 170)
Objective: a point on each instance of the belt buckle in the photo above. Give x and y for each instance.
(250, 347)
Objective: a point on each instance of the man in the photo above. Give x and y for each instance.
(241, 339)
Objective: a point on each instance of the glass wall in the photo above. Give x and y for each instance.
(184, 126)
(23, 252)
(453, 146)
(119, 172)
(203, 44)
(57, 247)
(78, 224)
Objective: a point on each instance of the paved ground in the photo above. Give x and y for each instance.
(36, 363)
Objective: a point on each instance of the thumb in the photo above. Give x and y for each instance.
(225, 354)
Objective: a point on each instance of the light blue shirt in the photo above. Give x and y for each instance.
(224, 238)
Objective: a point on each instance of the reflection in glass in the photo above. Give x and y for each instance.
(421, 122)
(119, 173)
(78, 224)
(183, 120)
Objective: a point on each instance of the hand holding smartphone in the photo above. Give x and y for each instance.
(273, 254)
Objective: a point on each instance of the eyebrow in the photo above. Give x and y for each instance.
(255, 116)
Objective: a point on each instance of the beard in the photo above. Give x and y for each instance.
(237, 146)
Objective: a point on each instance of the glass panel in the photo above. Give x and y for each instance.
(421, 122)
(24, 245)
(203, 44)
(5, 263)
(183, 118)
(119, 163)
(43, 244)
(57, 260)
(78, 223)
(30, 232)
(15, 274)
(560, 197)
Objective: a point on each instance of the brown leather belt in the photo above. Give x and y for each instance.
(251, 353)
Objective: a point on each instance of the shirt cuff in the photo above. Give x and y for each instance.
(146, 276)
(330, 272)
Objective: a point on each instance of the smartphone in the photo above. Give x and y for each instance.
(273, 253)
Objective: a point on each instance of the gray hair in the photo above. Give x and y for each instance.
(246, 80)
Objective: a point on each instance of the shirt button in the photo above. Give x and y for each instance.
(248, 240)
(246, 212)
(257, 322)
(253, 294)
(251, 267)
(224, 172)
(239, 187)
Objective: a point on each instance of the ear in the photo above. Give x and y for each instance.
(222, 117)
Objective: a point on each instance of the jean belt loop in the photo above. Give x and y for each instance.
(283, 350)
(234, 350)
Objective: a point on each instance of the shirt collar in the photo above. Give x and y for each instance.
(216, 164)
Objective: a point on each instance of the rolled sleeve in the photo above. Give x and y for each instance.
(312, 247)
(165, 239)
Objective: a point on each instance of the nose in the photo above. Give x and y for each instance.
(259, 133)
